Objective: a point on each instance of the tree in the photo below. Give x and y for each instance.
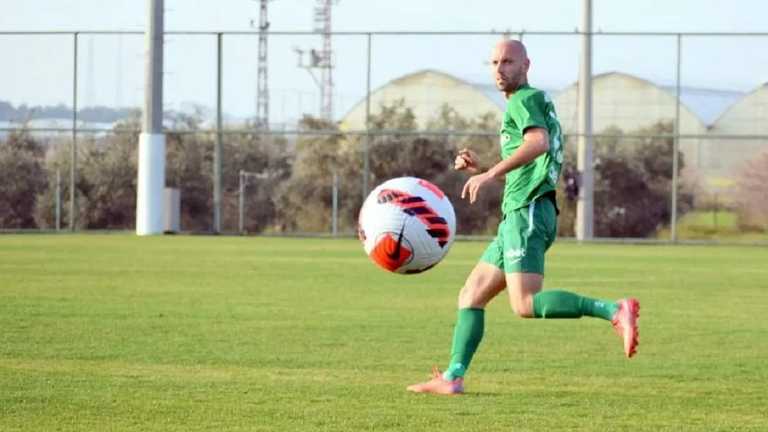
(305, 198)
(752, 193)
(105, 181)
(190, 168)
(21, 162)
(108, 182)
(482, 216)
(57, 160)
(269, 158)
(633, 182)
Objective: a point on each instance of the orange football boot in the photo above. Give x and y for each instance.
(439, 385)
(625, 324)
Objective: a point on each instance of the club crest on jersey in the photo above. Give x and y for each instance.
(504, 138)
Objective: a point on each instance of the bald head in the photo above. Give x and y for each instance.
(509, 62)
(513, 47)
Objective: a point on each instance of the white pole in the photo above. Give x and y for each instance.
(151, 176)
(585, 204)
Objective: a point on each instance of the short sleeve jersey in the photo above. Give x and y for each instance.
(526, 108)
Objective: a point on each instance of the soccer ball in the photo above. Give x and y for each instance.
(407, 225)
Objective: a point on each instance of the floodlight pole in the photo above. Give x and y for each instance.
(585, 204)
(151, 176)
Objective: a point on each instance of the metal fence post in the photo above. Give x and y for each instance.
(367, 142)
(676, 145)
(241, 203)
(73, 152)
(335, 204)
(217, 146)
(58, 199)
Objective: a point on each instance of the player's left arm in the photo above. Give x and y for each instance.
(535, 143)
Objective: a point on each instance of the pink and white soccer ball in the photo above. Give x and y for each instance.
(407, 225)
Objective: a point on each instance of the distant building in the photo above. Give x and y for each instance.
(620, 100)
(632, 103)
(626, 102)
(425, 92)
(749, 116)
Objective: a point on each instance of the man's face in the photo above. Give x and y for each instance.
(509, 67)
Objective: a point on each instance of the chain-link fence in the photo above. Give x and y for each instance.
(402, 104)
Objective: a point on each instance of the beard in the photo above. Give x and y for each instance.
(511, 83)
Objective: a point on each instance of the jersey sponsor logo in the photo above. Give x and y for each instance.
(436, 226)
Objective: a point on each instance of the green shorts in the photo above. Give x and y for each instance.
(524, 236)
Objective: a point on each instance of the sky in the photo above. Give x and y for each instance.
(38, 69)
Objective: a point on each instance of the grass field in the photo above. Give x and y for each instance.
(117, 332)
(722, 225)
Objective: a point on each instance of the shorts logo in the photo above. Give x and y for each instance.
(514, 255)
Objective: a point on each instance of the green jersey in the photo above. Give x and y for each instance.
(529, 107)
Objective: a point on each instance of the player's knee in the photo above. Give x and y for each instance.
(468, 297)
(523, 307)
(523, 312)
(482, 285)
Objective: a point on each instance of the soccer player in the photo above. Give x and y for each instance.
(532, 157)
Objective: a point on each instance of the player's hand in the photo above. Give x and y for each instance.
(473, 185)
(466, 159)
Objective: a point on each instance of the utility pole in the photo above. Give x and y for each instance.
(151, 179)
(325, 58)
(262, 87)
(322, 59)
(585, 204)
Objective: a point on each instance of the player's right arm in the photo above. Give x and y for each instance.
(535, 143)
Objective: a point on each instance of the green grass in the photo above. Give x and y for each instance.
(116, 332)
(712, 219)
(721, 225)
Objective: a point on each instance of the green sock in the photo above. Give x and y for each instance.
(563, 304)
(467, 335)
